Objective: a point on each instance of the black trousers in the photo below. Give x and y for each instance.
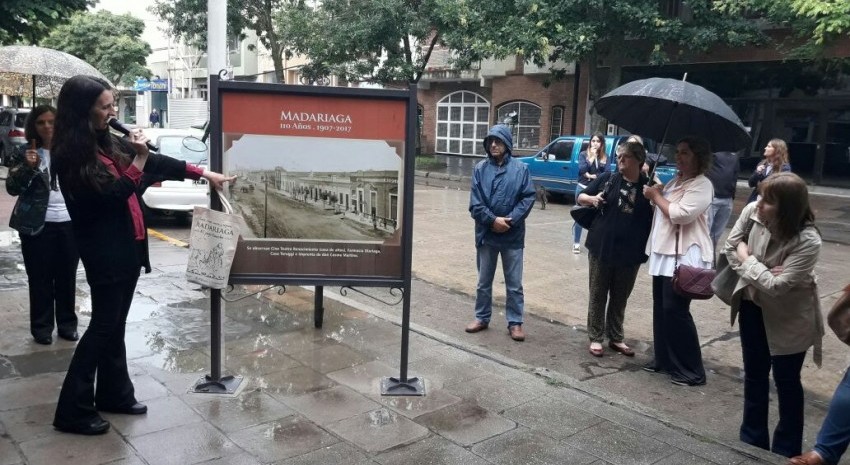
(758, 363)
(101, 352)
(675, 338)
(51, 260)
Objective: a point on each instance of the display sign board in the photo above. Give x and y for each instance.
(154, 85)
(320, 187)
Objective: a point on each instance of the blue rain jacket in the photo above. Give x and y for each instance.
(500, 190)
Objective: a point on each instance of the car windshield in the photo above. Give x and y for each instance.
(21, 119)
(181, 148)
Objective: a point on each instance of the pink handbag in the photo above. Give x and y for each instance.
(690, 281)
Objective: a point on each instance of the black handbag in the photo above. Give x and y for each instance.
(691, 281)
(585, 215)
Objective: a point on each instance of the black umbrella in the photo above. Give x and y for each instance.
(668, 109)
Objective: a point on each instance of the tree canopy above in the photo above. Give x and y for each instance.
(109, 42)
(31, 20)
(815, 24)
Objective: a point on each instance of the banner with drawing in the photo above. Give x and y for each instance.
(320, 188)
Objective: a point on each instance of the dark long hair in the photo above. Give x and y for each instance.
(29, 127)
(76, 142)
(603, 154)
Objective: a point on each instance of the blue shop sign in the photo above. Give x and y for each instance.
(154, 85)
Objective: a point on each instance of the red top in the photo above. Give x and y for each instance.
(135, 176)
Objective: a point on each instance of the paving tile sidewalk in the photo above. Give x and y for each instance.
(311, 396)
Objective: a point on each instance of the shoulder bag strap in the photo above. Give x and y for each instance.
(676, 252)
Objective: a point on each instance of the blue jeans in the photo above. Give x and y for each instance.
(576, 227)
(834, 434)
(758, 363)
(718, 216)
(512, 268)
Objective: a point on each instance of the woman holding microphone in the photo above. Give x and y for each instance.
(99, 175)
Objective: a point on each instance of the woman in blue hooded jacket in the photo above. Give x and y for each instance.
(500, 199)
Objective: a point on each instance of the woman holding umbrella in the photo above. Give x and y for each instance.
(615, 246)
(775, 161)
(681, 208)
(99, 175)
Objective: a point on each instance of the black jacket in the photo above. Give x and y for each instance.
(724, 174)
(619, 233)
(103, 227)
(32, 186)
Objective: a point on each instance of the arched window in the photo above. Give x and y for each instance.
(462, 119)
(526, 131)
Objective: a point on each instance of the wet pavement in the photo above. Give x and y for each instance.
(312, 396)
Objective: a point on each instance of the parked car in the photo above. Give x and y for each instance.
(12, 136)
(555, 168)
(177, 198)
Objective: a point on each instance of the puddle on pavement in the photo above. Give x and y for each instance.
(47, 361)
(8, 238)
(290, 431)
(11, 260)
(382, 417)
(178, 360)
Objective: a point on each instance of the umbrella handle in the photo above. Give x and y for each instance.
(663, 138)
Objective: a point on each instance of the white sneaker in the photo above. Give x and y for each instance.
(576, 248)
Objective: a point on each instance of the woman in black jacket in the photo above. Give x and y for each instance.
(99, 175)
(47, 241)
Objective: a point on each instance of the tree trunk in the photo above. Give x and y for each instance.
(614, 57)
(264, 27)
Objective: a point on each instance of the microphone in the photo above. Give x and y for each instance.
(123, 129)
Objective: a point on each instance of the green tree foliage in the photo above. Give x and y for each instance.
(187, 21)
(607, 34)
(109, 42)
(815, 23)
(380, 41)
(29, 21)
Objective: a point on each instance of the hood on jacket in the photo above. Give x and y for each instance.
(503, 133)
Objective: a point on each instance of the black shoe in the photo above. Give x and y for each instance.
(650, 367)
(679, 382)
(45, 340)
(69, 335)
(136, 409)
(90, 428)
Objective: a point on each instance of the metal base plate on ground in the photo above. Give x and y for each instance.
(225, 385)
(395, 387)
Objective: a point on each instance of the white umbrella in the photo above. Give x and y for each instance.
(45, 68)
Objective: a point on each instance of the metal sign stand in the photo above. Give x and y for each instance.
(404, 386)
(215, 383)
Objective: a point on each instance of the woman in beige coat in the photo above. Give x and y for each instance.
(776, 303)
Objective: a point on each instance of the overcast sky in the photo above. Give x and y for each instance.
(139, 9)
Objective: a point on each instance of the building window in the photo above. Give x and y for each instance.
(557, 123)
(526, 131)
(462, 119)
